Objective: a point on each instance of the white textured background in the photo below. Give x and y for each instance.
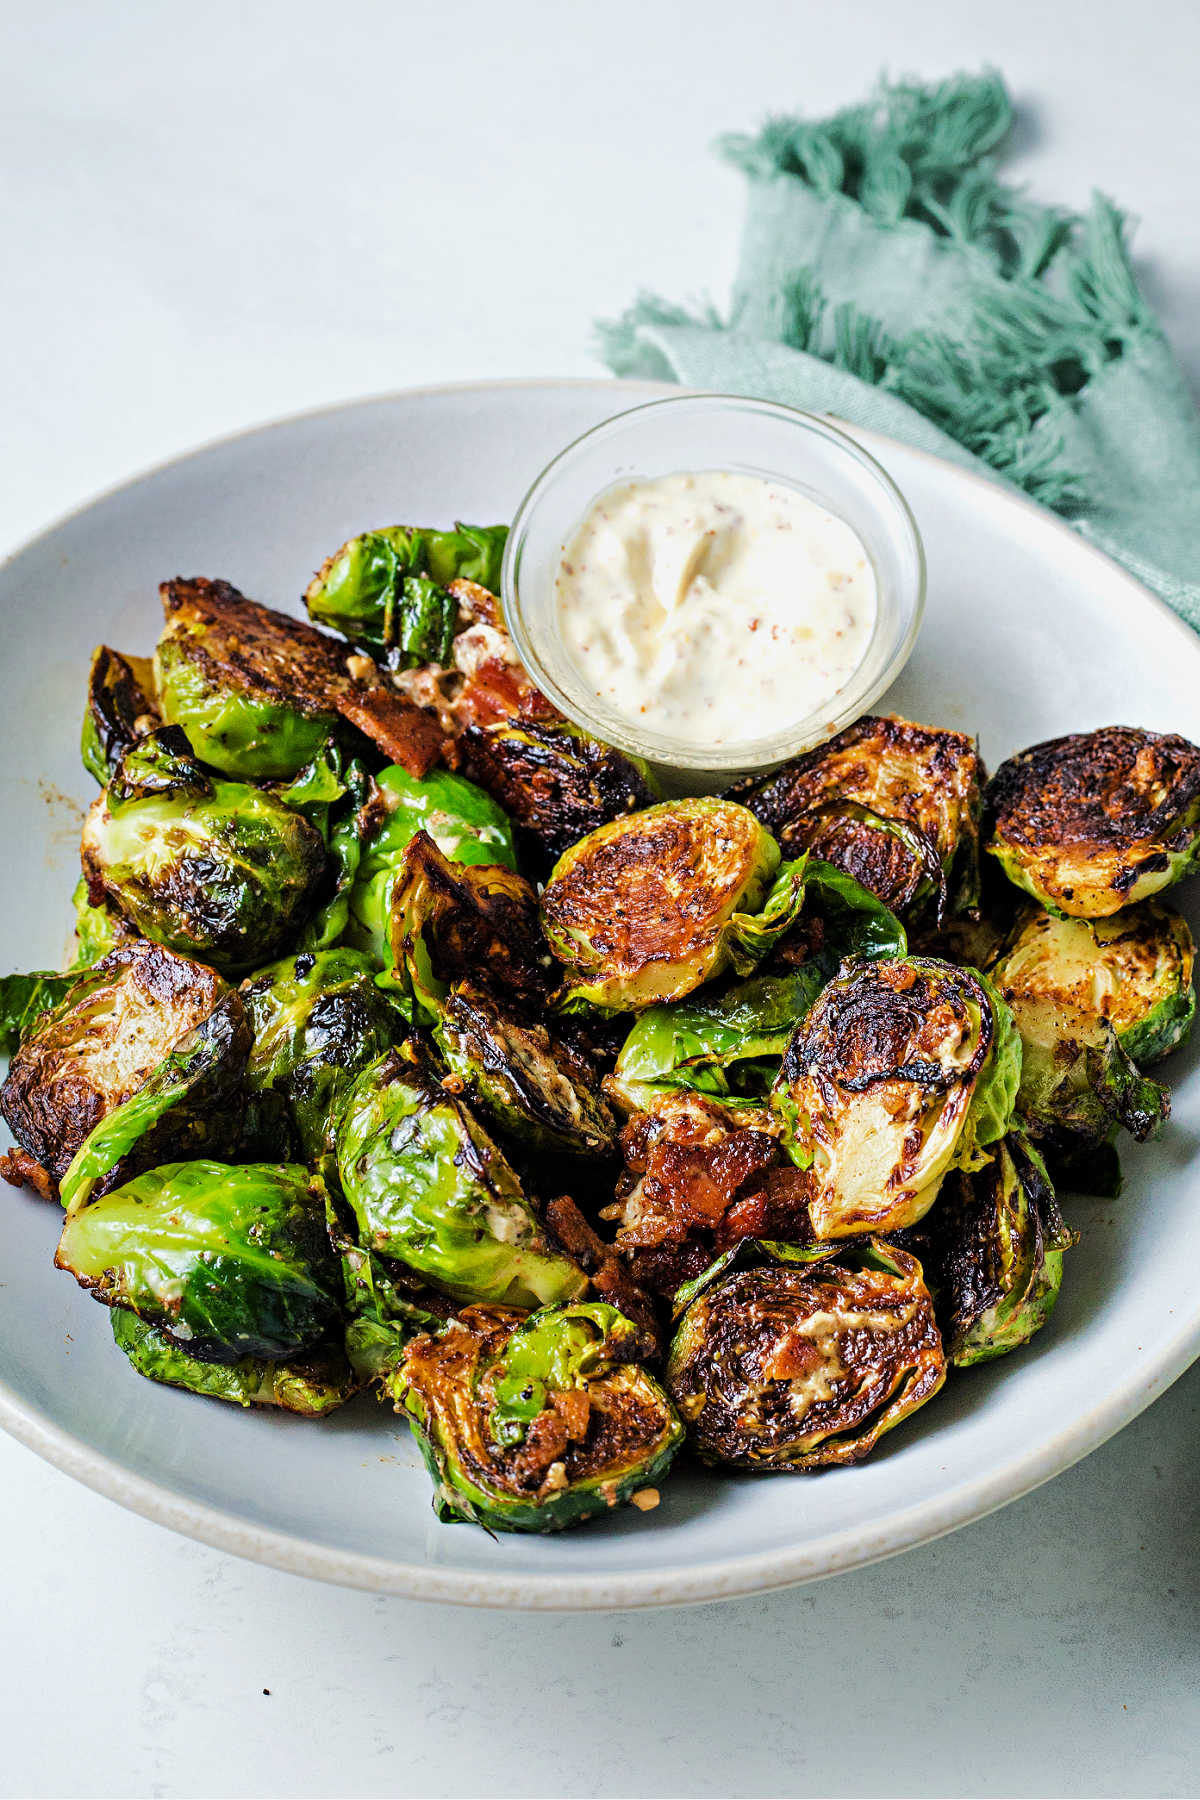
(213, 214)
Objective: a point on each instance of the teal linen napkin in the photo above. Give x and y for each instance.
(888, 275)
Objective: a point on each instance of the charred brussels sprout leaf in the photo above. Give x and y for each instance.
(1091, 999)
(789, 1369)
(537, 1087)
(318, 1020)
(451, 922)
(86, 1054)
(902, 1070)
(649, 907)
(537, 1423)
(554, 781)
(190, 1104)
(386, 589)
(119, 710)
(428, 1186)
(465, 824)
(1090, 823)
(231, 1261)
(993, 1249)
(313, 1383)
(728, 1044)
(211, 868)
(893, 804)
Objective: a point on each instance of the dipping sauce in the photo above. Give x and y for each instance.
(719, 606)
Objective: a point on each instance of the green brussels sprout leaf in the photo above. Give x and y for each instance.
(313, 1383)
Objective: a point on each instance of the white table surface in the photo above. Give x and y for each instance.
(215, 214)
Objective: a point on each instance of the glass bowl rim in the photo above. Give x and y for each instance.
(748, 754)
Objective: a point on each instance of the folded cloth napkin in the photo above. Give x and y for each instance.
(888, 276)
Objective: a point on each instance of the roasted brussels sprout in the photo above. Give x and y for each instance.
(1093, 998)
(992, 1249)
(98, 1044)
(230, 1261)
(540, 1089)
(729, 1043)
(893, 804)
(902, 1071)
(211, 868)
(261, 691)
(554, 781)
(537, 1423)
(452, 922)
(788, 1369)
(233, 676)
(119, 710)
(386, 589)
(318, 1020)
(313, 1383)
(652, 905)
(1090, 823)
(465, 823)
(428, 1186)
(191, 1104)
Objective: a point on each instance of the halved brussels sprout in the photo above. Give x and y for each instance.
(537, 1423)
(244, 683)
(653, 904)
(214, 869)
(230, 1261)
(789, 1369)
(119, 710)
(553, 780)
(539, 1088)
(893, 804)
(386, 589)
(313, 1383)
(318, 1020)
(465, 823)
(428, 1186)
(262, 691)
(1090, 823)
(729, 1043)
(993, 1249)
(191, 1103)
(452, 922)
(1092, 998)
(902, 1071)
(98, 1044)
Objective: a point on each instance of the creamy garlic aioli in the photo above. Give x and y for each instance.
(719, 606)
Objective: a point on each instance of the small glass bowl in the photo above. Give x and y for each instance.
(688, 434)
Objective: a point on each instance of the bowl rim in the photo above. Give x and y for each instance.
(757, 1572)
(849, 702)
